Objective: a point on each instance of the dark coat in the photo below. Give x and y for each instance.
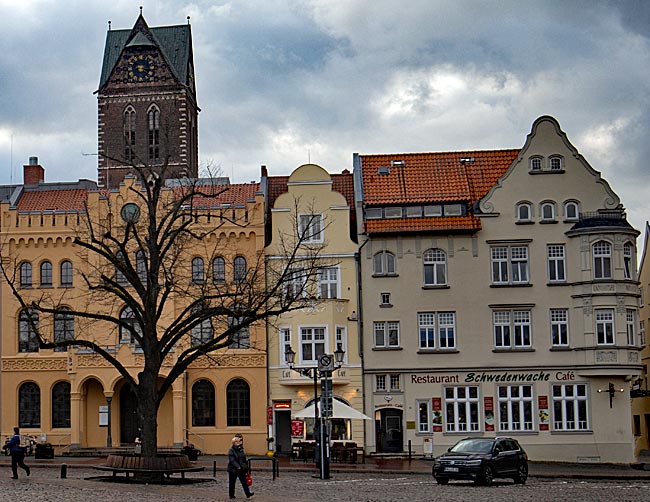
(13, 445)
(237, 459)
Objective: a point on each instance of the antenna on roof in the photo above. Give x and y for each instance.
(141, 10)
(109, 25)
(188, 19)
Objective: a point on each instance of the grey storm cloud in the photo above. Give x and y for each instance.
(281, 82)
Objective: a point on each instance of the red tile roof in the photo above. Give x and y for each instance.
(219, 195)
(53, 200)
(431, 178)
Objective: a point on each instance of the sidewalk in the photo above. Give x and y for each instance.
(417, 465)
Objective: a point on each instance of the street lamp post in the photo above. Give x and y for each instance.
(326, 365)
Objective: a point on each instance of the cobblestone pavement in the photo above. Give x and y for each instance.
(45, 484)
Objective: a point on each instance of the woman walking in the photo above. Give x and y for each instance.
(237, 467)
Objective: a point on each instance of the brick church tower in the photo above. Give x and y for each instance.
(146, 103)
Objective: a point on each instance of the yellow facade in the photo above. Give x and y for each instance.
(97, 392)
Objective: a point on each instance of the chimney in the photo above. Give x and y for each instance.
(33, 173)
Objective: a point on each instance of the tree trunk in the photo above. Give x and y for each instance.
(148, 412)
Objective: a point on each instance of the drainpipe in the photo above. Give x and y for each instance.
(357, 262)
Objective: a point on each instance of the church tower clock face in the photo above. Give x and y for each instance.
(141, 68)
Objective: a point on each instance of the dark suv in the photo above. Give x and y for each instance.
(482, 460)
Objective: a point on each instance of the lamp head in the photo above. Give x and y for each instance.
(339, 354)
(289, 356)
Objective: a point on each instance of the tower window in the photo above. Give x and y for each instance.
(129, 134)
(153, 119)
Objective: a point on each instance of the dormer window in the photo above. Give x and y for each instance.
(432, 211)
(536, 164)
(393, 212)
(373, 213)
(453, 210)
(414, 212)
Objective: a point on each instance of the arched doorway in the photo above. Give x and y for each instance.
(129, 422)
(388, 430)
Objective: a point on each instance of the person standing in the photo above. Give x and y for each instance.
(17, 454)
(237, 467)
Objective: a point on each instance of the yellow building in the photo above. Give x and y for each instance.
(327, 203)
(74, 398)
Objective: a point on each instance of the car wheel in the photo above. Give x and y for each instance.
(488, 476)
(522, 474)
(442, 481)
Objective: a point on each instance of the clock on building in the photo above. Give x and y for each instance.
(141, 68)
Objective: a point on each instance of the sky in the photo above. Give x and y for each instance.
(285, 82)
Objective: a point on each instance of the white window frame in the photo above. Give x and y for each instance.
(434, 267)
(316, 338)
(570, 407)
(374, 213)
(328, 283)
(395, 382)
(436, 327)
(295, 284)
(605, 327)
(460, 403)
(627, 261)
(642, 332)
(423, 407)
(560, 163)
(389, 332)
(385, 299)
(602, 259)
(382, 261)
(559, 321)
(630, 326)
(284, 335)
(529, 208)
(311, 228)
(535, 163)
(515, 404)
(509, 264)
(547, 211)
(556, 259)
(380, 383)
(576, 209)
(513, 329)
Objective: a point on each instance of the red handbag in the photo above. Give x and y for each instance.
(249, 479)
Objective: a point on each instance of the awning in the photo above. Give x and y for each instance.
(339, 410)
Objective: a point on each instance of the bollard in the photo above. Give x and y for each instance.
(64, 471)
(214, 468)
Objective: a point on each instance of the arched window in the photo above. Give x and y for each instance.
(198, 275)
(61, 405)
(555, 163)
(524, 212)
(435, 267)
(384, 263)
(548, 211)
(66, 273)
(602, 252)
(127, 316)
(242, 338)
(203, 412)
(238, 403)
(25, 275)
(119, 276)
(29, 405)
(141, 266)
(63, 327)
(571, 211)
(219, 270)
(46, 274)
(27, 326)
(536, 164)
(129, 134)
(240, 269)
(153, 128)
(627, 260)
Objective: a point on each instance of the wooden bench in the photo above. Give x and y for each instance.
(155, 468)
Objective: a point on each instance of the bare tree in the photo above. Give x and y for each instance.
(134, 249)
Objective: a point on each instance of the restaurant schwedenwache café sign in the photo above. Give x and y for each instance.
(503, 376)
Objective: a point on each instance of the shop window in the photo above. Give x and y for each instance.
(515, 407)
(570, 407)
(461, 409)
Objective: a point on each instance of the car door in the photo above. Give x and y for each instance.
(502, 458)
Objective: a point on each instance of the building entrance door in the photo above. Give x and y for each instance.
(283, 432)
(129, 423)
(390, 432)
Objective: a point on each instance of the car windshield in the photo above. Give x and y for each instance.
(473, 446)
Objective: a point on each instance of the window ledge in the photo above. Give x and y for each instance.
(45, 286)
(66, 286)
(435, 286)
(570, 220)
(565, 433)
(560, 349)
(514, 349)
(523, 285)
(438, 351)
(557, 283)
(524, 222)
(382, 349)
(546, 171)
(547, 222)
(385, 275)
(385, 305)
